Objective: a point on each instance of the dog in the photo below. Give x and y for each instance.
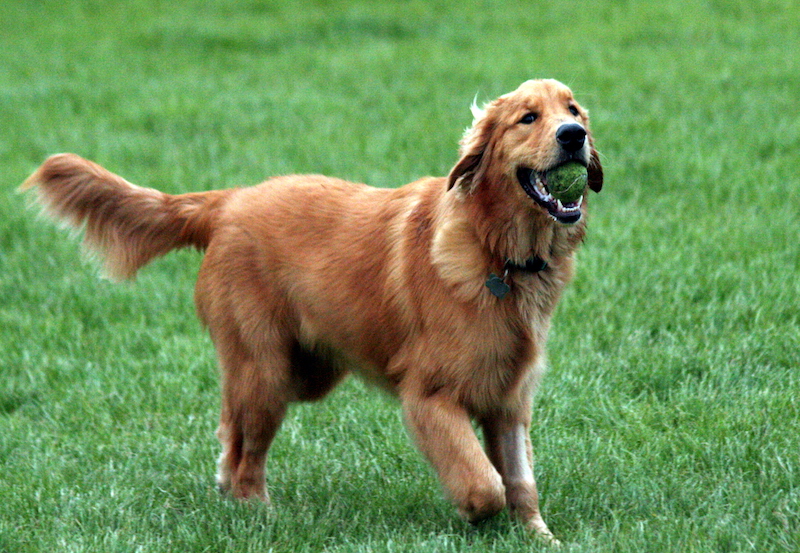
(440, 291)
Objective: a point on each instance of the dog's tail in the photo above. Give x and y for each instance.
(127, 225)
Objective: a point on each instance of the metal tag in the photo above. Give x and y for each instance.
(497, 286)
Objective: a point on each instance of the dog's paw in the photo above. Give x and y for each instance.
(542, 533)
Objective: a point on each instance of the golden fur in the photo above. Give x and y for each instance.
(308, 277)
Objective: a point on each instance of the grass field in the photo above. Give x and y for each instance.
(669, 420)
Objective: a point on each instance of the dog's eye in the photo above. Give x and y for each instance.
(573, 110)
(528, 119)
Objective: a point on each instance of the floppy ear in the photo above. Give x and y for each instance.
(475, 152)
(465, 171)
(595, 171)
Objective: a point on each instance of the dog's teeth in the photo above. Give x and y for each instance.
(540, 185)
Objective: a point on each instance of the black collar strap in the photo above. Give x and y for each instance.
(533, 264)
(498, 286)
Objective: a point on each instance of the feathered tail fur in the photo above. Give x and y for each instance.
(127, 225)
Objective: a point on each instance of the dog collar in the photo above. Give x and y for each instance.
(499, 287)
(533, 264)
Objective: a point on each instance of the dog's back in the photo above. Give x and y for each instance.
(334, 264)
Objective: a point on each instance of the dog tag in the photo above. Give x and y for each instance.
(497, 286)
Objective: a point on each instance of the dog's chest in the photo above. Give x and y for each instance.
(505, 360)
(481, 360)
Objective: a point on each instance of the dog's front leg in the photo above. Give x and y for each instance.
(444, 433)
(508, 443)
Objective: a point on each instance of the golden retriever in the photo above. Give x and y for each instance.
(440, 291)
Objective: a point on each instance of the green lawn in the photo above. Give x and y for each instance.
(670, 418)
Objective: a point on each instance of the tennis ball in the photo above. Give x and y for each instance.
(567, 182)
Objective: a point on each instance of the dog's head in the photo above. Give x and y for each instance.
(517, 138)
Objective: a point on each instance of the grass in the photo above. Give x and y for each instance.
(670, 418)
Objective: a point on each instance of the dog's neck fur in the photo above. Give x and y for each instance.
(524, 233)
(474, 239)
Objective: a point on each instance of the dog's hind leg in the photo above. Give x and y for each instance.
(255, 397)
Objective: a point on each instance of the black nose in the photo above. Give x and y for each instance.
(571, 136)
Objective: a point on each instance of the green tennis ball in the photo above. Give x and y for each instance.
(567, 182)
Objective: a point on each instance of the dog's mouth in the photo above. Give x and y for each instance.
(534, 183)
